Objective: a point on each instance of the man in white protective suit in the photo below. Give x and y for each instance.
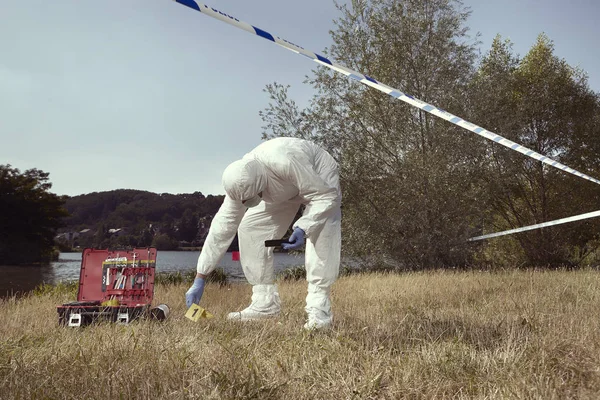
(264, 191)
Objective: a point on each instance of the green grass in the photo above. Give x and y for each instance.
(464, 335)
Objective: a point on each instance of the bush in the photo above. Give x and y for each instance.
(173, 278)
(164, 242)
(62, 288)
(298, 272)
(295, 273)
(218, 276)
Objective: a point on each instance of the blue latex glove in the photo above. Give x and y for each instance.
(296, 240)
(194, 294)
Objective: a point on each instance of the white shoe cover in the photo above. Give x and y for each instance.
(318, 308)
(317, 320)
(265, 304)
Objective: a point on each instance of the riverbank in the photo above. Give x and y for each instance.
(80, 249)
(523, 334)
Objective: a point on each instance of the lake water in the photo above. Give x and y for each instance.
(18, 279)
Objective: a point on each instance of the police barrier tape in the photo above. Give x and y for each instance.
(542, 225)
(367, 80)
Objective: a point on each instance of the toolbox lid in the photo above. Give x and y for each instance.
(124, 275)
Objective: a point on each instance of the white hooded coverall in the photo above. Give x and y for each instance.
(289, 172)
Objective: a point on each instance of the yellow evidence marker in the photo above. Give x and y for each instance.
(195, 312)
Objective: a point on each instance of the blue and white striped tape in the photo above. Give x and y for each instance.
(542, 225)
(367, 80)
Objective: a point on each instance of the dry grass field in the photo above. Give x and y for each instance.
(463, 335)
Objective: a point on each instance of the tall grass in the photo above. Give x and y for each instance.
(498, 335)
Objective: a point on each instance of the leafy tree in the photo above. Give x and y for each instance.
(546, 105)
(143, 214)
(101, 238)
(188, 226)
(146, 237)
(409, 179)
(30, 215)
(164, 242)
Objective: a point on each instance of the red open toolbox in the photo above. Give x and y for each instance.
(114, 285)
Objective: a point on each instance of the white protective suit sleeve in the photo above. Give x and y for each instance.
(220, 235)
(323, 198)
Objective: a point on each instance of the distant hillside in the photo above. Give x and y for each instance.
(138, 218)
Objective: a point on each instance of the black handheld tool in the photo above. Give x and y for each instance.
(275, 242)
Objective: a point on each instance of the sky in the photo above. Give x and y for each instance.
(151, 95)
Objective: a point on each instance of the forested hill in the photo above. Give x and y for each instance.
(134, 217)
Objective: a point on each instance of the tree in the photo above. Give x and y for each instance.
(410, 191)
(188, 226)
(546, 105)
(30, 216)
(164, 242)
(141, 213)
